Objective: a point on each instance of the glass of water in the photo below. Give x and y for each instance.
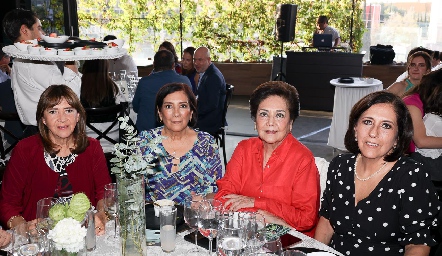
(111, 203)
(232, 235)
(208, 213)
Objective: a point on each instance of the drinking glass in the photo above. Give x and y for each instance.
(232, 235)
(208, 213)
(191, 205)
(113, 76)
(21, 242)
(111, 203)
(254, 224)
(168, 228)
(43, 207)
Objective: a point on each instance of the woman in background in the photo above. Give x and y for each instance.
(189, 160)
(378, 201)
(166, 45)
(98, 90)
(419, 64)
(188, 68)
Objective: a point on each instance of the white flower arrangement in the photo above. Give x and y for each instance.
(129, 162)
(68, 235)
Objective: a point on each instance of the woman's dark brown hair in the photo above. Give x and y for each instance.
(169, 46)
(275, 88)
(51, 97)
(426, 56)
(177, 87)
(430, 92)
(96, 85)
(190, 50)
(403, 120)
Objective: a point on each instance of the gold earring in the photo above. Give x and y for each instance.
(255, 127)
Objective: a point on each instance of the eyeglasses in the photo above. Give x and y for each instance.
(420, 65)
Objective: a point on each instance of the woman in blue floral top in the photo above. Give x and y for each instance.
(189, 160)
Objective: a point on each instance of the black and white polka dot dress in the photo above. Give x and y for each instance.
(399, 211)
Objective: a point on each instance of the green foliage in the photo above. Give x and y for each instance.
(235, 30)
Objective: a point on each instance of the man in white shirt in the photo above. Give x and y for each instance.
(30, 78)
(322, 27)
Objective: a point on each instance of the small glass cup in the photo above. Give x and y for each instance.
(168, 228)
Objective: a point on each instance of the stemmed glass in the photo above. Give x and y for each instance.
(191, 205)
(111, 203)
(208, 213)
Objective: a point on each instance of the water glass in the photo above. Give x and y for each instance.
(22, 243)
(208, 214)
(232, 235)
(43, 207)
(191, 205)
(168, 216)
(111, 203)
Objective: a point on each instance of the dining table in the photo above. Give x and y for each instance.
(346, 96)
(108, 245)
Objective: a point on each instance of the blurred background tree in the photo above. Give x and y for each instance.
(234, 30)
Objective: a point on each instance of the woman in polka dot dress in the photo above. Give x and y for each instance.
(378, 201)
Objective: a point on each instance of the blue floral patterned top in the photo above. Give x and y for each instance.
(199, 169)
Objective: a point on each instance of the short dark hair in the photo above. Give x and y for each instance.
(52, 96)
(14, 19)
(436, 55)
(163, 60)
(109, 37)
(425, 55)
(169, 46)
(403, 119)
(275, 88)
(323, 19)
(177, 87)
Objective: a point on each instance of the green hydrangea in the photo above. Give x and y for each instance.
(80, 204)
(57, 212)
(76, 216)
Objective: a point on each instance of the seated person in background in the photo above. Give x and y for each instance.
(419, 64)
(125, 62)
(7, 102)
(274, 173)
(378, 201)
(57, 162)
(404, 75)
(210, 92)
(435, 61)
(30, 78)
(188, 68)
(189, 160)
(166, 45)
(144, 98)
(433, 127)
(98, 90)
(426, 98)
(322, 27)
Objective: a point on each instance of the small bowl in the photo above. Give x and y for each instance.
(34, 49)
(81, 51)
(111, 50)
(55, 40)
(97, 51)
(65, 52)
(157, 205)
(23, 46)
(48, 51)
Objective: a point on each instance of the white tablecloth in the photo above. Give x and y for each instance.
(106, 247)
(346, 95)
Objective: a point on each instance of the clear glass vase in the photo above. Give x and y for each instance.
(131, 216)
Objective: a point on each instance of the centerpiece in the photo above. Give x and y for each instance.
(66, 225)
(129, 167)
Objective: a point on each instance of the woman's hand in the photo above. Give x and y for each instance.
(235, 202)
(271, 218)
(5, 238)
(100, 223)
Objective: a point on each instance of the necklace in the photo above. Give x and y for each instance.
(173, 154)
(369, 177)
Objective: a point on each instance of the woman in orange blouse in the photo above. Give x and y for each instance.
(273, 173)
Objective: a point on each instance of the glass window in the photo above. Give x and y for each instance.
(50, 13)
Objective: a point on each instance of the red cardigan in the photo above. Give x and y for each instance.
(288, 187)
(28, 178)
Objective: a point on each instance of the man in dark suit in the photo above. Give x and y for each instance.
(144, 98)
(210, 92)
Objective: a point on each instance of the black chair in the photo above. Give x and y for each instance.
(4, 151)
(106, 115)
(220, 135)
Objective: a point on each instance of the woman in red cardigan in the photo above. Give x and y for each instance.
(57, 162)
(274, 173)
